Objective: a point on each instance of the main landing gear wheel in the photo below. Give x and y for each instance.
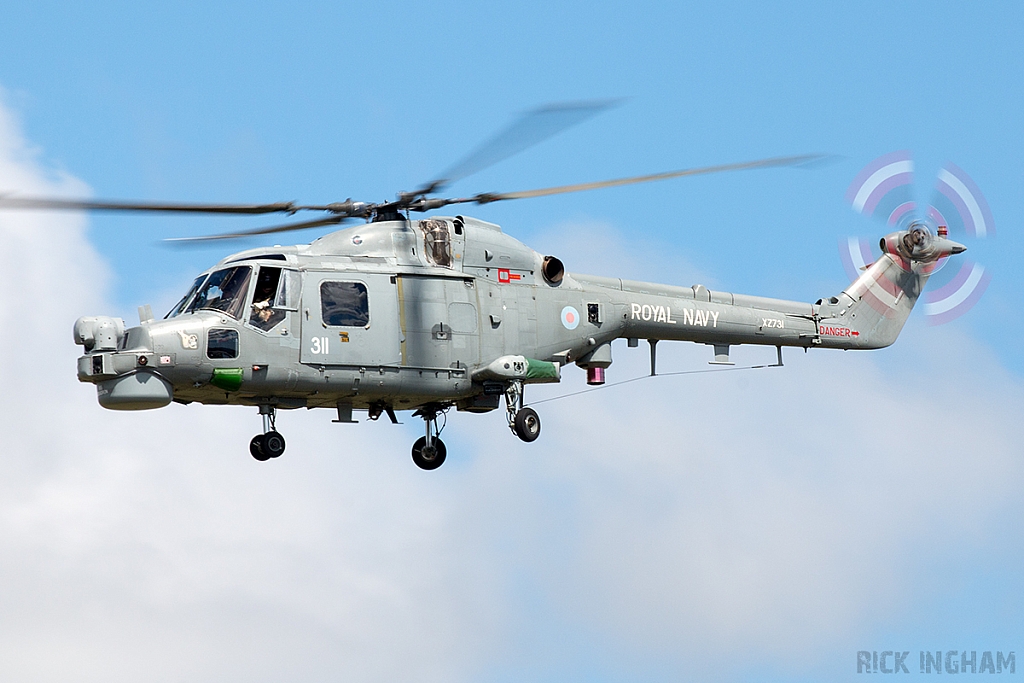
(256, 448)
(429, 452)
(524, 422)
(527, 425)
(263, 447)
(273, 444)
(270, 444)
(429, 457)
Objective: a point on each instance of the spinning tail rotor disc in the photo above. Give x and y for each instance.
(884, 191)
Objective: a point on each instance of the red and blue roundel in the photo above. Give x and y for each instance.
(570, 318)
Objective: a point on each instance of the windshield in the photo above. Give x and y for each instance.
(180, 306)
(224, 291)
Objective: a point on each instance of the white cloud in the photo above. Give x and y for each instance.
(772, 513)
(671, 520)
(598, 248)
(154, 543)
(766, 515)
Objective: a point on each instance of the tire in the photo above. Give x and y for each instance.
(256, 448)
(428, 460)
(273, 444)
(527, 425)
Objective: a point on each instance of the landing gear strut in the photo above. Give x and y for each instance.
(269, 444)
(524, 422)
(429, 451)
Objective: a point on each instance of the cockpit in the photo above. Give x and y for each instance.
(276, 291)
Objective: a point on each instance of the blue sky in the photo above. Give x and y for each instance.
(326, 102)
(751, 512)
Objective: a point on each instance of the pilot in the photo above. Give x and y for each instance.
(262, 310)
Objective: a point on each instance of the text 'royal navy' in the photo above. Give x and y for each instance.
(663, 314)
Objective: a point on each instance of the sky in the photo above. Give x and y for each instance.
(753, 525)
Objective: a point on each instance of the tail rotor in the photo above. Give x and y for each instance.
(884, 191)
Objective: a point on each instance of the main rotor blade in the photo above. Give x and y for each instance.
(800, 160)
(270, 230)
(9, 202)
(531, 128)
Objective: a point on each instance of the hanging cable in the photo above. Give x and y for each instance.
(664, 374)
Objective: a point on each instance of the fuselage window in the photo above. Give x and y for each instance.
(438, 241)
(344, 304)
(180, 306)
(224, 291)
(222, 343)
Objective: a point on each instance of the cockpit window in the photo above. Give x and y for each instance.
(180, 306)
(289, 290)
(276, 291)
(224, 291)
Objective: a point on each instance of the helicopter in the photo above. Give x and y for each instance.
(427, 314)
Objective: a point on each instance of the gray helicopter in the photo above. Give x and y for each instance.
(428, 314)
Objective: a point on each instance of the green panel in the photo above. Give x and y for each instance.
(541, 370)
(228, 379)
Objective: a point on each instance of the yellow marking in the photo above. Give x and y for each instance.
(401, 315)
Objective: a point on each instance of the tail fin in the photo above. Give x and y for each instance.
(871, 312)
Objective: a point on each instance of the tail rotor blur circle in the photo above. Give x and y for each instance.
(884, 191)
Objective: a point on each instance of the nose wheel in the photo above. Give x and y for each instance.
(429, 451)
(524, 422)
(270, 444)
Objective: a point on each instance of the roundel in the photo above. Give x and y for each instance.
(570, 318)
